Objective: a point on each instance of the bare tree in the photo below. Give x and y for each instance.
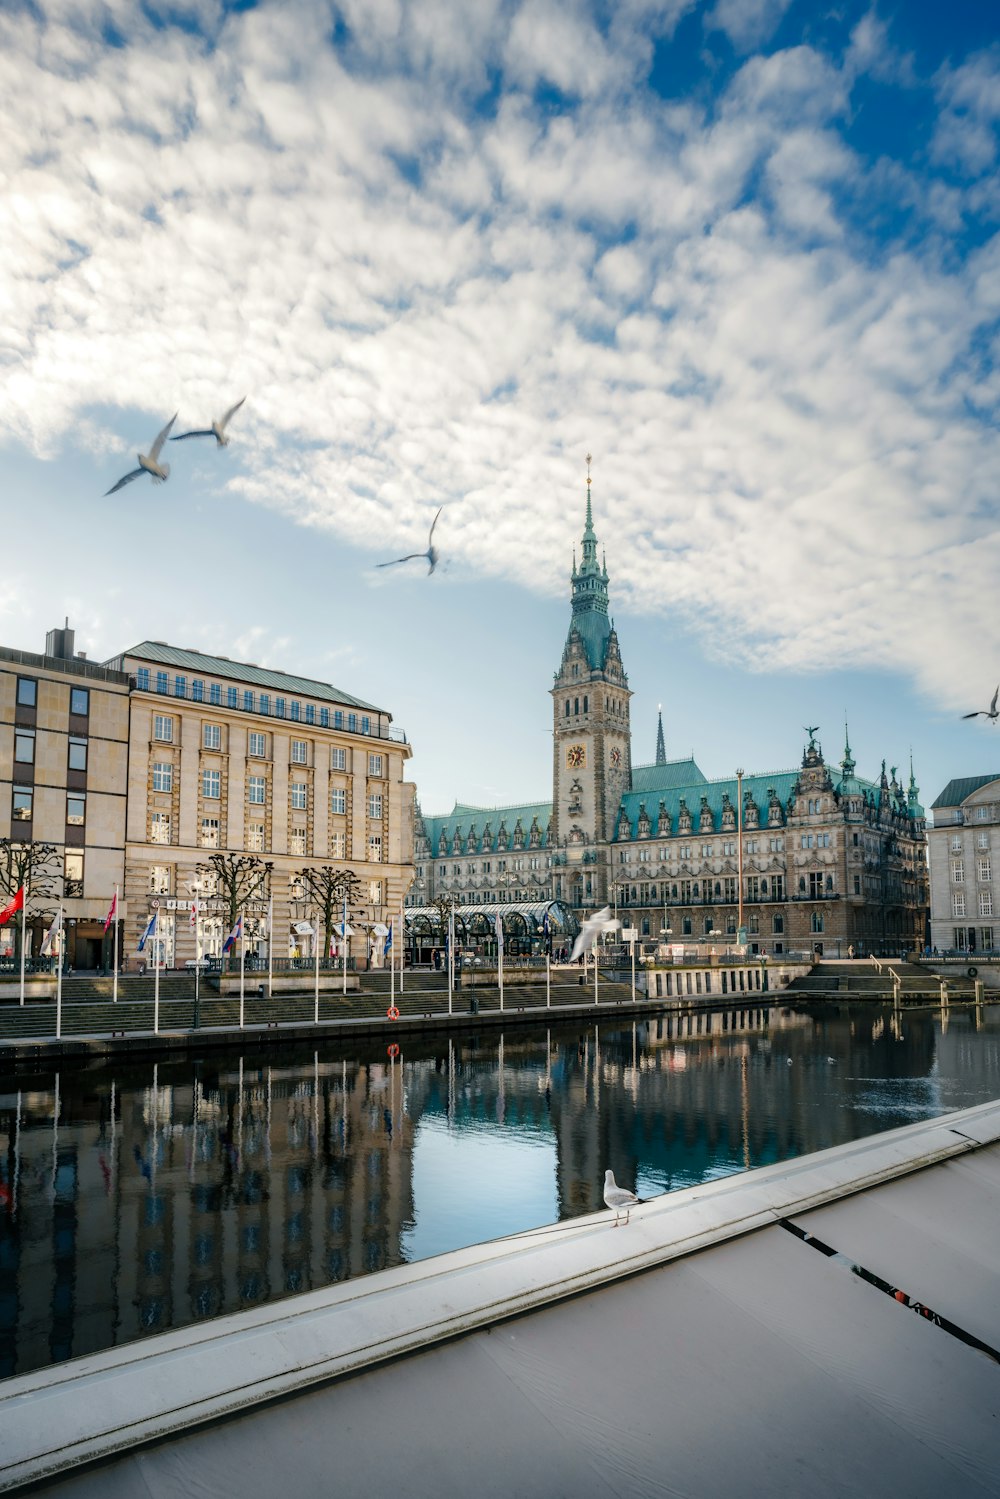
(36, 866)
(327, 888)
(239, 879)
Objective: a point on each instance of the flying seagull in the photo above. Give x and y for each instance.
(601, 921)
(431, 553)
(216, 430)
(619, 1198)
(149, 462)
(991, 712)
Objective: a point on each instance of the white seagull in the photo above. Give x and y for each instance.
(601, 921)
(216, 430)
(431, 553)
(991, 712)
(619, 1198)
(149, 462)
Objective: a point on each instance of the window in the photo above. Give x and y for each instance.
(822, 840)
(257, 745)
(163, 729)
(73, 875)
(142, 679)
(986, 938)
(375, 804)
(815, 885)
(299, 796)
(375, 852)
(215, 694)
(338, 845)
(310, 713)
(986, 902)
(982, 840)
(958, 903)
(159, 827)
(78, 754)
(982, 814)
(686, 926)
(247, 701)
(778, 887)
(857, 884)
(300, 752)
(338, 801)
(163, 775)
(232, 697)
(256, 790)
(958, 936)
(338, 718)
(984, 871)
(777, 923)
(197, 690)
(956, 843)
(209, 832)
(255, 837)
(366, 725)
(298, 841)
(161, 681)
(816, 921)
(279, 707)
(338, 759)
(24, 746)
(211, 736)
(374, 765)
(352, 723)
(807, 840)
(324, 718)
(728, 849)
(958, 872)
(159, 880)
(375, 892)
(180, 686)
(296, 711)
(27, 692)
(211, 784)
(21, 809)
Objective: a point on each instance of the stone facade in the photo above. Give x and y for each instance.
(963, 854)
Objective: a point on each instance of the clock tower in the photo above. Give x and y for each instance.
(592, 740)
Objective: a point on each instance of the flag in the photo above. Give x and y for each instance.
(388, 942)
(112, 913)
(498, 921)
(194, 913)
(149, 932)
(545, 924)
(236, 934)
(11, 909)
(51, 934)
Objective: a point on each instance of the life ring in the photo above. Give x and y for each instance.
(972, 971)
(392, 1012)
(393, 1052)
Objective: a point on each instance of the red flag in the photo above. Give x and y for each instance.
(111, 914)
(17, 904)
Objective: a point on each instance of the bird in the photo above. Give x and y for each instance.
(431, 553)
(149, 462)
(619, 1198)
(601, 921)
(216, 430)
(992, 713)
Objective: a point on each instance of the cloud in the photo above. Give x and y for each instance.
(966, 133)
(747, 23)
(437, 284)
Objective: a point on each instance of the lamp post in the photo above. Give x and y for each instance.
(739, 857)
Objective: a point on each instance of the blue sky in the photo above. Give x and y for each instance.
(744, 252)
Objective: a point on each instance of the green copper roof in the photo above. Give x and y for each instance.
(158, 652)
(463, 816)
(692, 792)
(956, 792)
(590, 597)
(653, 779)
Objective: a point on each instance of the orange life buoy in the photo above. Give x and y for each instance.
(392, 1012)
(393, 1051)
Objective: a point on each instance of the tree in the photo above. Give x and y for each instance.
(35, 865)
(327, 889)
(238, 879)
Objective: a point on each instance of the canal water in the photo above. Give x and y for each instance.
(138, 1197)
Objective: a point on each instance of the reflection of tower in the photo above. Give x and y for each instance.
(592, 753)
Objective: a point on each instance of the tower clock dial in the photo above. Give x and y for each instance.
(576, 756)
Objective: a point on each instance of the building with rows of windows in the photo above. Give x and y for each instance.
(823, 858)
(144, 768)
(964, 882)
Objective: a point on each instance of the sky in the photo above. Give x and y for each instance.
(745, 253)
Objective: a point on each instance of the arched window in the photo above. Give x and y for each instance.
(586, 702)
(567, 707)
(576, 705)
(817, 921)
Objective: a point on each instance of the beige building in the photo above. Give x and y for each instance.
(964, 877)
(227, 757)
(64, 725)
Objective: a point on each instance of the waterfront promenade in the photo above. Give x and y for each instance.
(828, 1325)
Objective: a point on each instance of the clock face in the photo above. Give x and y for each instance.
(576, 756)
(616, 758)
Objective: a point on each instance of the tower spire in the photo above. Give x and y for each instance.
(661, 751)
(847, 763)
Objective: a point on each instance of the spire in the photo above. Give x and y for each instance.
(847, 763)
(661, 752)
(590, 592)
(913, 791)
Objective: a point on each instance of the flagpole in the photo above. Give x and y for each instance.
(59, 978)
(114, 988)
(24, 929)
(548, 981)
(270, 944)
(316, 957)
(392, 971)
(596, 966)
(343, 944)
(402, 943)
(197, 962)
(156, 973)
(450, 938)
(500, 958)
(243, 962)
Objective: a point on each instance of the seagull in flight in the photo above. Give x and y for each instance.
(600, 921)
(149, 462)
(619, 1198)
(431, 553)
(991, 712)
(216, 430)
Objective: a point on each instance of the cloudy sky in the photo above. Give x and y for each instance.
(744, 252)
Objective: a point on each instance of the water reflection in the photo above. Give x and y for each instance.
(137, 1198)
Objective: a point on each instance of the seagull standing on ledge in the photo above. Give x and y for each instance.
(431, 553)
(990, 712)
(216, 430)
(619, 1198)
(149, 462)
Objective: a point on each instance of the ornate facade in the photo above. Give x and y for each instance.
(814, 858)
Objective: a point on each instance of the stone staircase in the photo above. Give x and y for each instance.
(878, 980)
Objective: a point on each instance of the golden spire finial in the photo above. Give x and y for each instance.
(588, 470)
